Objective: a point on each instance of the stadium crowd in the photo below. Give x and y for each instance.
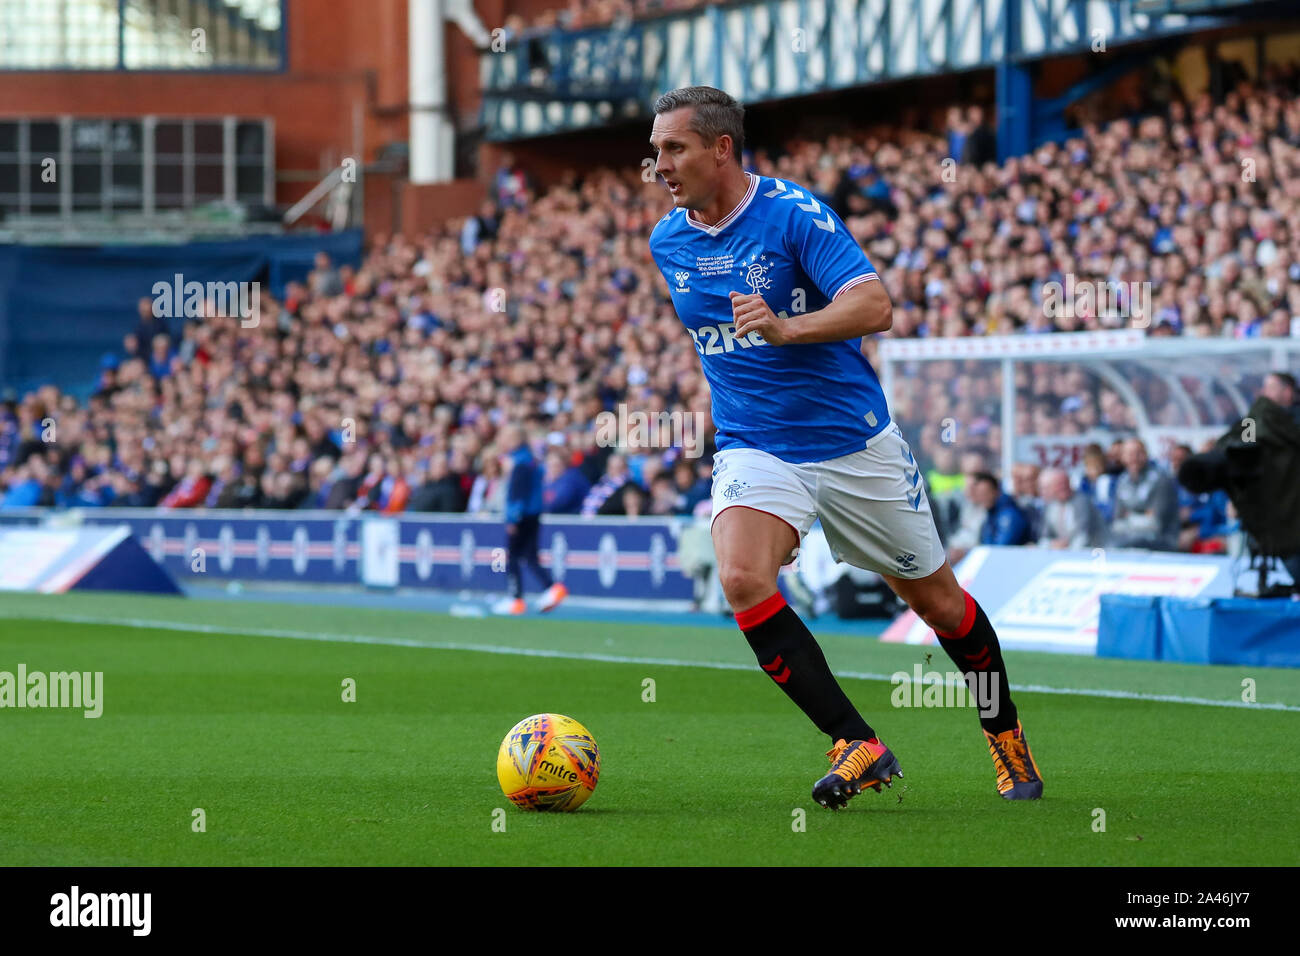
(384, 386)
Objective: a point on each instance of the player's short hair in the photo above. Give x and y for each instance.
(985, 477)
(716, 114)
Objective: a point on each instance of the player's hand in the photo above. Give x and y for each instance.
(751, 314)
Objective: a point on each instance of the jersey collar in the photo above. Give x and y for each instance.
(732, 216)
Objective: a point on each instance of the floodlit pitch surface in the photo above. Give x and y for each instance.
(237, 709)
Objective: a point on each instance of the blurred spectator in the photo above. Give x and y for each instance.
(1097, 482)
(664, 499)
(510, 184)
(1146, 503)
(241, 491)
(324, 278)
(1004, 522)
(966, 516)
(943, 488)
(606, 488)
(944, 477)
(1024, 488)
(149, 327)
(1070, 519)
(440, 491)
(480, 228)
(394, 490)
(131, 347)
(192, 490)
(160, 356)
(981, 145)
(1203, 518)
(487, 496)
(371, 486)
(632, 500)
(691, 488)
(225, 472)
(346, 485)
(957, 133)
(564, 485)
(282, 489)
(27, 486)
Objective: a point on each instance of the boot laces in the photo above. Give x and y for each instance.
(1013, 751)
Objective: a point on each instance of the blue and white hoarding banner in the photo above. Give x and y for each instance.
(1039, 599)
(594, 557)
(58, 559)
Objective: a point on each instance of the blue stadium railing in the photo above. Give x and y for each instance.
(554, 81)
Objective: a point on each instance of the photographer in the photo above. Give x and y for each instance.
(1255, 463)
(1280, 387)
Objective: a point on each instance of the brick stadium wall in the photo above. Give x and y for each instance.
(346, 59)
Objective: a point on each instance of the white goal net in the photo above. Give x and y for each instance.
(1043, 398)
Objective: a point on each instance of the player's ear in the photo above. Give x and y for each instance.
(724, 149)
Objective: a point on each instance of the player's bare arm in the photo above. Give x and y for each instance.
(861, 310)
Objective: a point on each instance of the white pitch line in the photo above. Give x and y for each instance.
(603, 658)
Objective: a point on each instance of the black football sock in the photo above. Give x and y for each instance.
(788, 653)
(974, 648)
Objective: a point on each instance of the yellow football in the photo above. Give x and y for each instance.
(548, 762)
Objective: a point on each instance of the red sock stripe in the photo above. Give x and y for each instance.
(967, 620)
(760, 612)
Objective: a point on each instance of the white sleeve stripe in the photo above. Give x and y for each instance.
(852, 282)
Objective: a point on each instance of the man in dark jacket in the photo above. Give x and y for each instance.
(523, 526)
(1004, 523)
(440, 491)
(343, 489)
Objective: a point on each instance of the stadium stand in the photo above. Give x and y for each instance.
(545, 308)
(581, 14)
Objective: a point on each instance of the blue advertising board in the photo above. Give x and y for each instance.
(593, 557)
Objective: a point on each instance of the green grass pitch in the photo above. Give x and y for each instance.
(237, 709)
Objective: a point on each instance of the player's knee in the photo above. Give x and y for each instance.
(940, 611)
(744, 586)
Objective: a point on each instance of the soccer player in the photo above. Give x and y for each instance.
(777, 296)
(523, 527)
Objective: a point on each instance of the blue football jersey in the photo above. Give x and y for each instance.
(798, 402)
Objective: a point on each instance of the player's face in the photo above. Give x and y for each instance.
(687, 165)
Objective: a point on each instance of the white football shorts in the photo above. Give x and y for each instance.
(872, 503)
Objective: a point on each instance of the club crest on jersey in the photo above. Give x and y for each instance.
(756, 277)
